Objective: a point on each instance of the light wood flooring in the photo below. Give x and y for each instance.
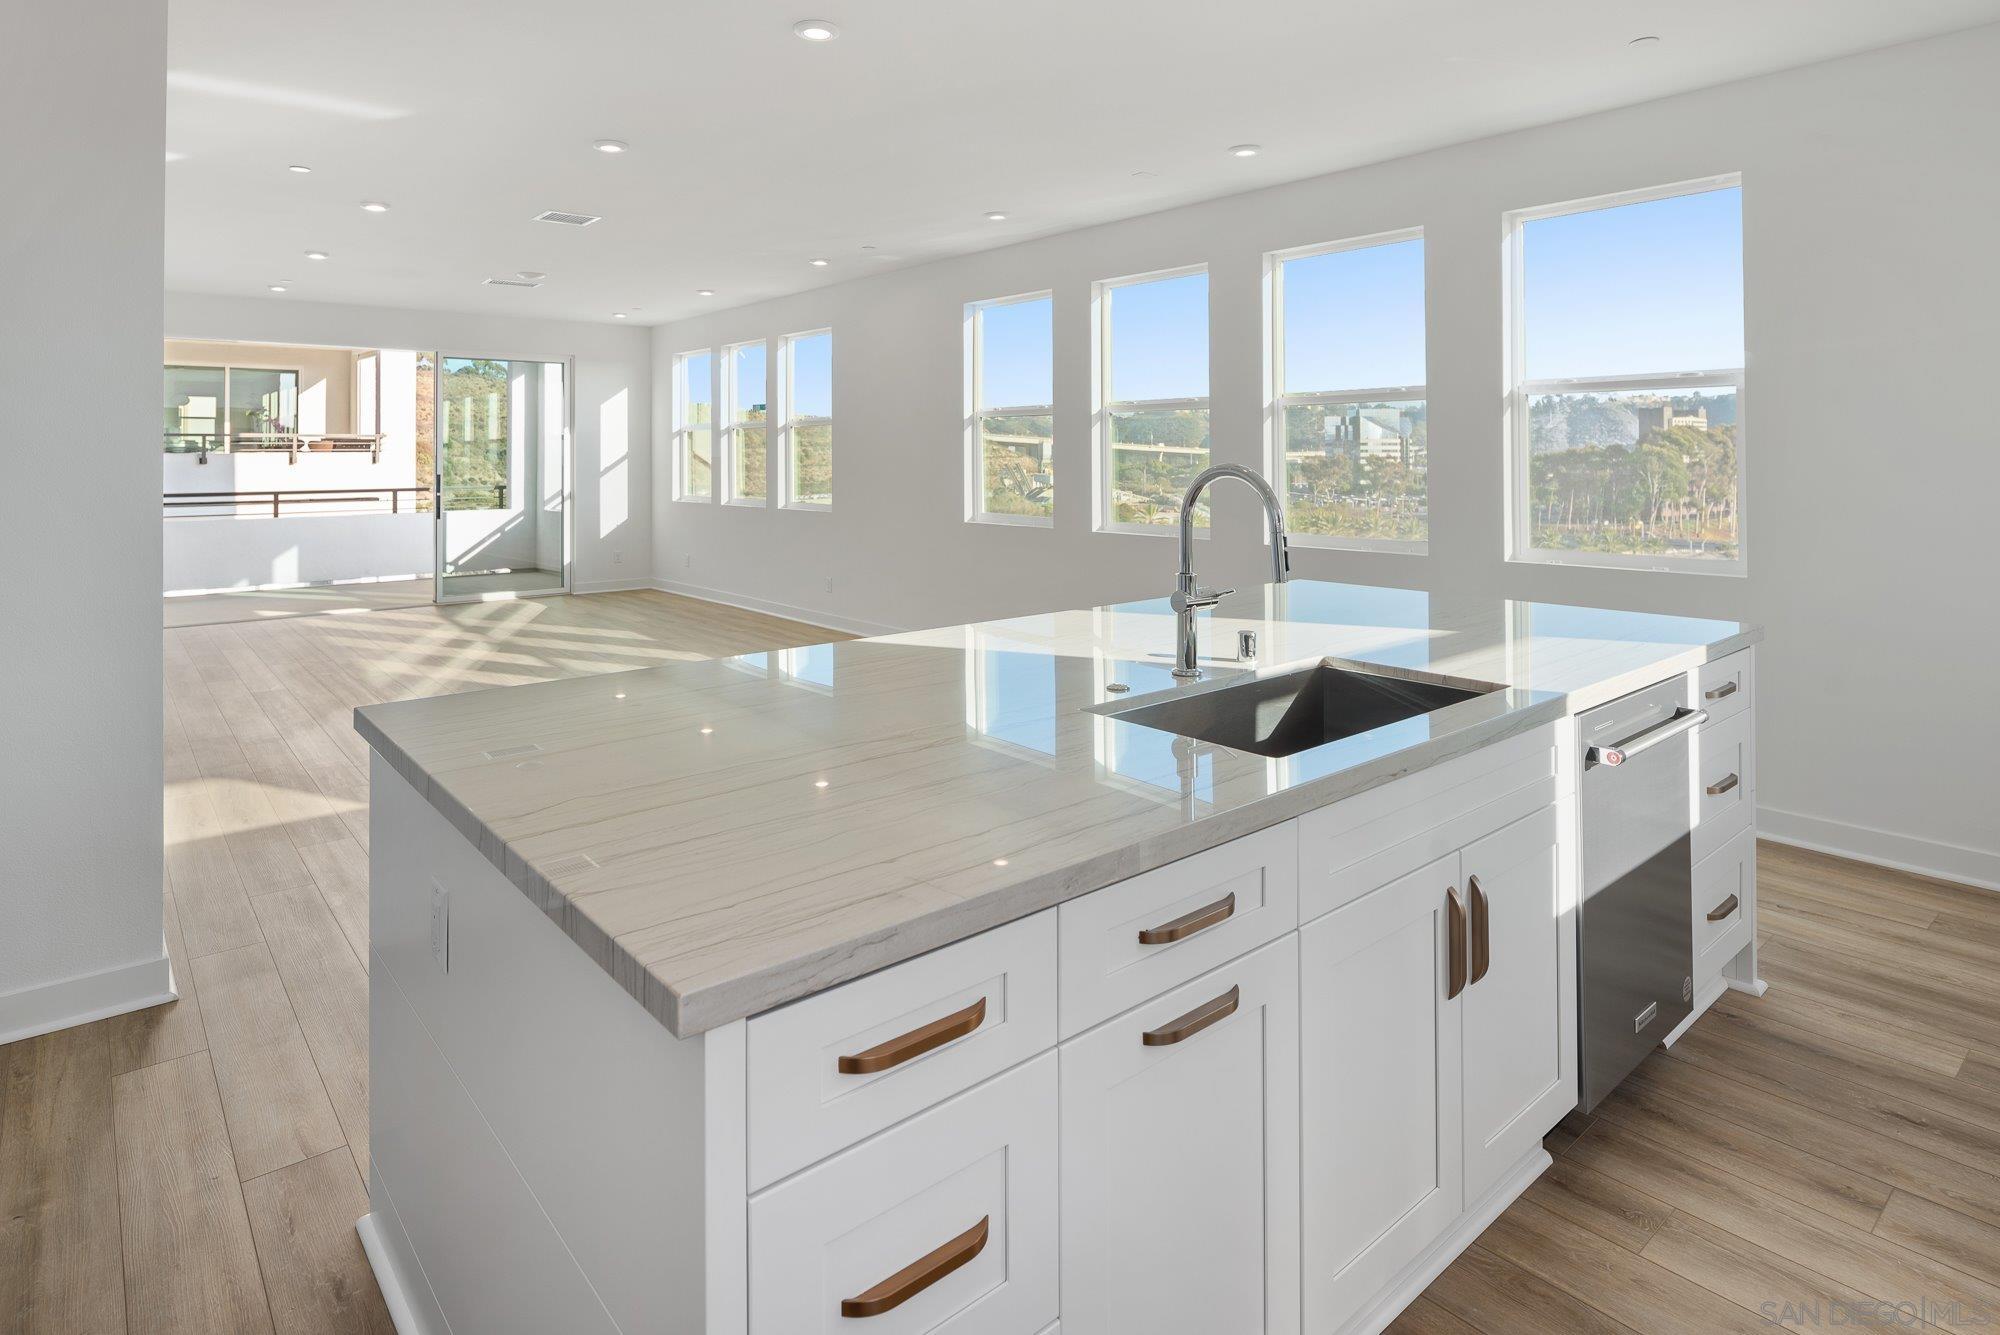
(1798, 1161)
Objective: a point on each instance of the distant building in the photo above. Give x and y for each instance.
(1365, 434)
(1661, 415)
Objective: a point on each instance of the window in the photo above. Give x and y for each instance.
(1626, 368)
(808, 427)
(694, 426)
(1152, 397)
(744, 431)
(1347, 385)
(1010, 413)
(212, 408)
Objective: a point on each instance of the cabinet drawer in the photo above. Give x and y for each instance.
(1730, 873)
(912, 1035)
(1725, 780)
(1134, 940)
(1723, 687)
(945, 1224)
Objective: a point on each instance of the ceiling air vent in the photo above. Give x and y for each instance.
(512, 282)
(568, 219)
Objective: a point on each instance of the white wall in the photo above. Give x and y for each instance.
(1871, 187)
(203, 555)
(612, 485)
(82, 125)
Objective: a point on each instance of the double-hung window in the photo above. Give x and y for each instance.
(745, 429)
(1348, 409)
(807, 430)
(1010, 412)
(1626, 378)
(694, 426)
(1151, 397)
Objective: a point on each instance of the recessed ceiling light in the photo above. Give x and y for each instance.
(1643, 41)
(706, 731)
(996, 216)
(611, 145)
(999, 862)
(531, 275)
(819, 783)
(819, 264)
(277, 287)
(1245, 150)
(704, 292)
(618, 315)
(1144, 175)
(300, 168)
(816, 30)
(316, 255)
(374, 206)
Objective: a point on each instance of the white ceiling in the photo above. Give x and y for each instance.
(753, 151)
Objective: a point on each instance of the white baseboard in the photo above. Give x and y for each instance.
(1417, 1276)
(811, 616)
(388, 1276)
(1900, 852)
(45, 1008)
(296, 585)
(609, 585)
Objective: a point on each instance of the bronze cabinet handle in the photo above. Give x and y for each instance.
(1196, 1020)
(1722, 910)
(1728, 688)
(1189, 923)
(1454, 908)
(1482, 937)
(916, 1043)
(1720, 786)
(919, 1274)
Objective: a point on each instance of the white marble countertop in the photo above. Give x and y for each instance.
(726, 836)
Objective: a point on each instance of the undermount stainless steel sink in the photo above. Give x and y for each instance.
(1289, 712)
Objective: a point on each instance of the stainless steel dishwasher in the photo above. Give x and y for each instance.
(1635, 927)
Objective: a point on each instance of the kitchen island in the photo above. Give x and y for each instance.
(911, 981)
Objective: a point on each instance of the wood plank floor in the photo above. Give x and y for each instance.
(1825, 1156)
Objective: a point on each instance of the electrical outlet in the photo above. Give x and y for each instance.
(687, 560)
(618, 558)
(829, 584)
(441, 926)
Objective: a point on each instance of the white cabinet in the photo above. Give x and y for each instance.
(1519, 999)
(946, 1223)
(1180, 1154)
(1380, 1087)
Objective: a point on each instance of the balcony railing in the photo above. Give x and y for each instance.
(233, 504)
(268, 442)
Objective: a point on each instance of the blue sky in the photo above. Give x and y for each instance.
(1637, 289)
(1354, 319)
(1018, 361)
(812, 376)
(696, 369)
(1159, 338)
(749, 368)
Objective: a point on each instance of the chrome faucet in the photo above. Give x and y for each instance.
(1189, 597)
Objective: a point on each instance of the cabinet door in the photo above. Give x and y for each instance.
(1180, 1159)
(1519, 1014)
(1379, 1072)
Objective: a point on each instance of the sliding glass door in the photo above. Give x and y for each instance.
(502, 478)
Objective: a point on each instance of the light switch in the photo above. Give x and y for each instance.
(441, 926)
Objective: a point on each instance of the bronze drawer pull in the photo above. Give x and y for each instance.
(1727, 688)
(1722, 910)
(1454, 908)
(1721, 786)
(1189, 923)
(915, 1043)
(1482, 937)
(1196, 1020)
(919, 1274)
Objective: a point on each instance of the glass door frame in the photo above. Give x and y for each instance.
(438, 512)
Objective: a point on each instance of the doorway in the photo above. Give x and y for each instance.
(501, 479)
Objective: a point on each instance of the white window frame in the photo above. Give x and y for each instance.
(786, 461)
(977, 410)
(1103, 405)
(729, 432)
(1521, 393)
(684, 428)
(1279, 400)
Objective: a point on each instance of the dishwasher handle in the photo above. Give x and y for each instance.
(1684, 720)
